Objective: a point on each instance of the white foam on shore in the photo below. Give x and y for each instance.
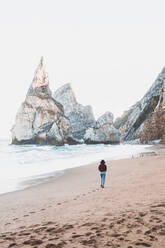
(22, 164)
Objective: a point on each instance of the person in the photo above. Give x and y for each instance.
(102, 168)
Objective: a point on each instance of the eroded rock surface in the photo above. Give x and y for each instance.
(40, 119)
(81, 117)
(154, 127)
(132, 122)
(103, 131)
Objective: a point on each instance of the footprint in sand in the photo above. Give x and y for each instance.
(88, 234)
(12, 245)
(142, 214)
(15, 219)
(51, 246)
(105, 219)
(76, 236)
(21, 227)
(88, 242)
(53, 239)
(34, 225)
(143, 244)
(24, 234)
(49, 223)
(13, 234)
(33, 242)
(44, 237)
(108, 214)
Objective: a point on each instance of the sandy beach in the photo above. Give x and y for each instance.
(73, 211)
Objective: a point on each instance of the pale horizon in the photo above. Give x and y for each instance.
(110, 51)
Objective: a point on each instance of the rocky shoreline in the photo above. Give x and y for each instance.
(58, 118)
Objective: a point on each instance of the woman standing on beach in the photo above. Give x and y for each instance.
(102, 168)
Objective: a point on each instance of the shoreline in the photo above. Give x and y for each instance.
(68, 211)
(44, 178)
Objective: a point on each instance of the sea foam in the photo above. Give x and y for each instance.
(26, 165)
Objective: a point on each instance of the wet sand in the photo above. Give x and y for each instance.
(73, 211)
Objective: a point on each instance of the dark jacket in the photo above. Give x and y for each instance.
(102, 167)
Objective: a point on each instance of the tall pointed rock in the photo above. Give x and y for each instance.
(40, 119)
(40, 83)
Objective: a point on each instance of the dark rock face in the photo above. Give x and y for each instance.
(154, 127)
(81, 117)
(40, 119)
(132, 122)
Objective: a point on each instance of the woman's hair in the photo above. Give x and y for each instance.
(102, 162)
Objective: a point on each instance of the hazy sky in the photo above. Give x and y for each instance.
(111, 51)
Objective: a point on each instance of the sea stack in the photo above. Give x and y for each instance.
(81, 117)
(40, 118)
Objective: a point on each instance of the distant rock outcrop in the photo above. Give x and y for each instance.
(103, 131)
(81, 117)
(132, 122)
(40, 119)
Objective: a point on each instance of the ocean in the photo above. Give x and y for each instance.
(27, 165)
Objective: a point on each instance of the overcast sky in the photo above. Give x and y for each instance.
(111, 51)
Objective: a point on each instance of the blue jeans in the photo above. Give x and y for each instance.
(102, 174)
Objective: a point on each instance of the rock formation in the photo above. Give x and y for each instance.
(132, 122)
(154, 127)
(81, 117)
(40, 119)
(103, 131)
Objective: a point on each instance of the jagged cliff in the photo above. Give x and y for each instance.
(154, 127)
(131, 123)
(40, 119)
(81, 117)
(83, 122)
(58, 120)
